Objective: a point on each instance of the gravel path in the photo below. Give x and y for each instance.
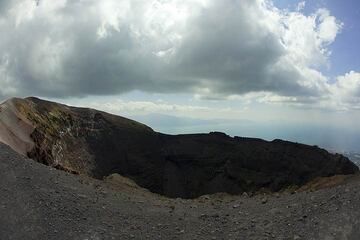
(38, 202)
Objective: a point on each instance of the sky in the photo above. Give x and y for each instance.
(259, 68)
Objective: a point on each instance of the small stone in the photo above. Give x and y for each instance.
(264, 200)
(236, 206)
(202, 216)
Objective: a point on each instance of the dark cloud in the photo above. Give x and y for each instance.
(235, 54)
(213, 48)
(4, 6)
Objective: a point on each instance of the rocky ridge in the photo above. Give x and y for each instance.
(98, 144)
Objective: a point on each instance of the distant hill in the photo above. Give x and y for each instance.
(98, 144)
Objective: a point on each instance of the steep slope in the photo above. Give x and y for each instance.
(97, 144)
(15, 128)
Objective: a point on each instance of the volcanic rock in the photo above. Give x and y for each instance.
(97, 144)
(40, 203)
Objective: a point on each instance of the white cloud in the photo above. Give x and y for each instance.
(301, 5)
(212, 49)
(329, 26)
(346, 92)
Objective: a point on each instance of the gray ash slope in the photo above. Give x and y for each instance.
(39, 202)
(97, 144)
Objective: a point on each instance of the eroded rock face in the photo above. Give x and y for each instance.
(15, 128)
(98, 144)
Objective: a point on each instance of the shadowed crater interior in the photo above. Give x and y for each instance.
(98, 144)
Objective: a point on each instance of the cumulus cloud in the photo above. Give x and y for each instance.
(214, 49)
(346, 92)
